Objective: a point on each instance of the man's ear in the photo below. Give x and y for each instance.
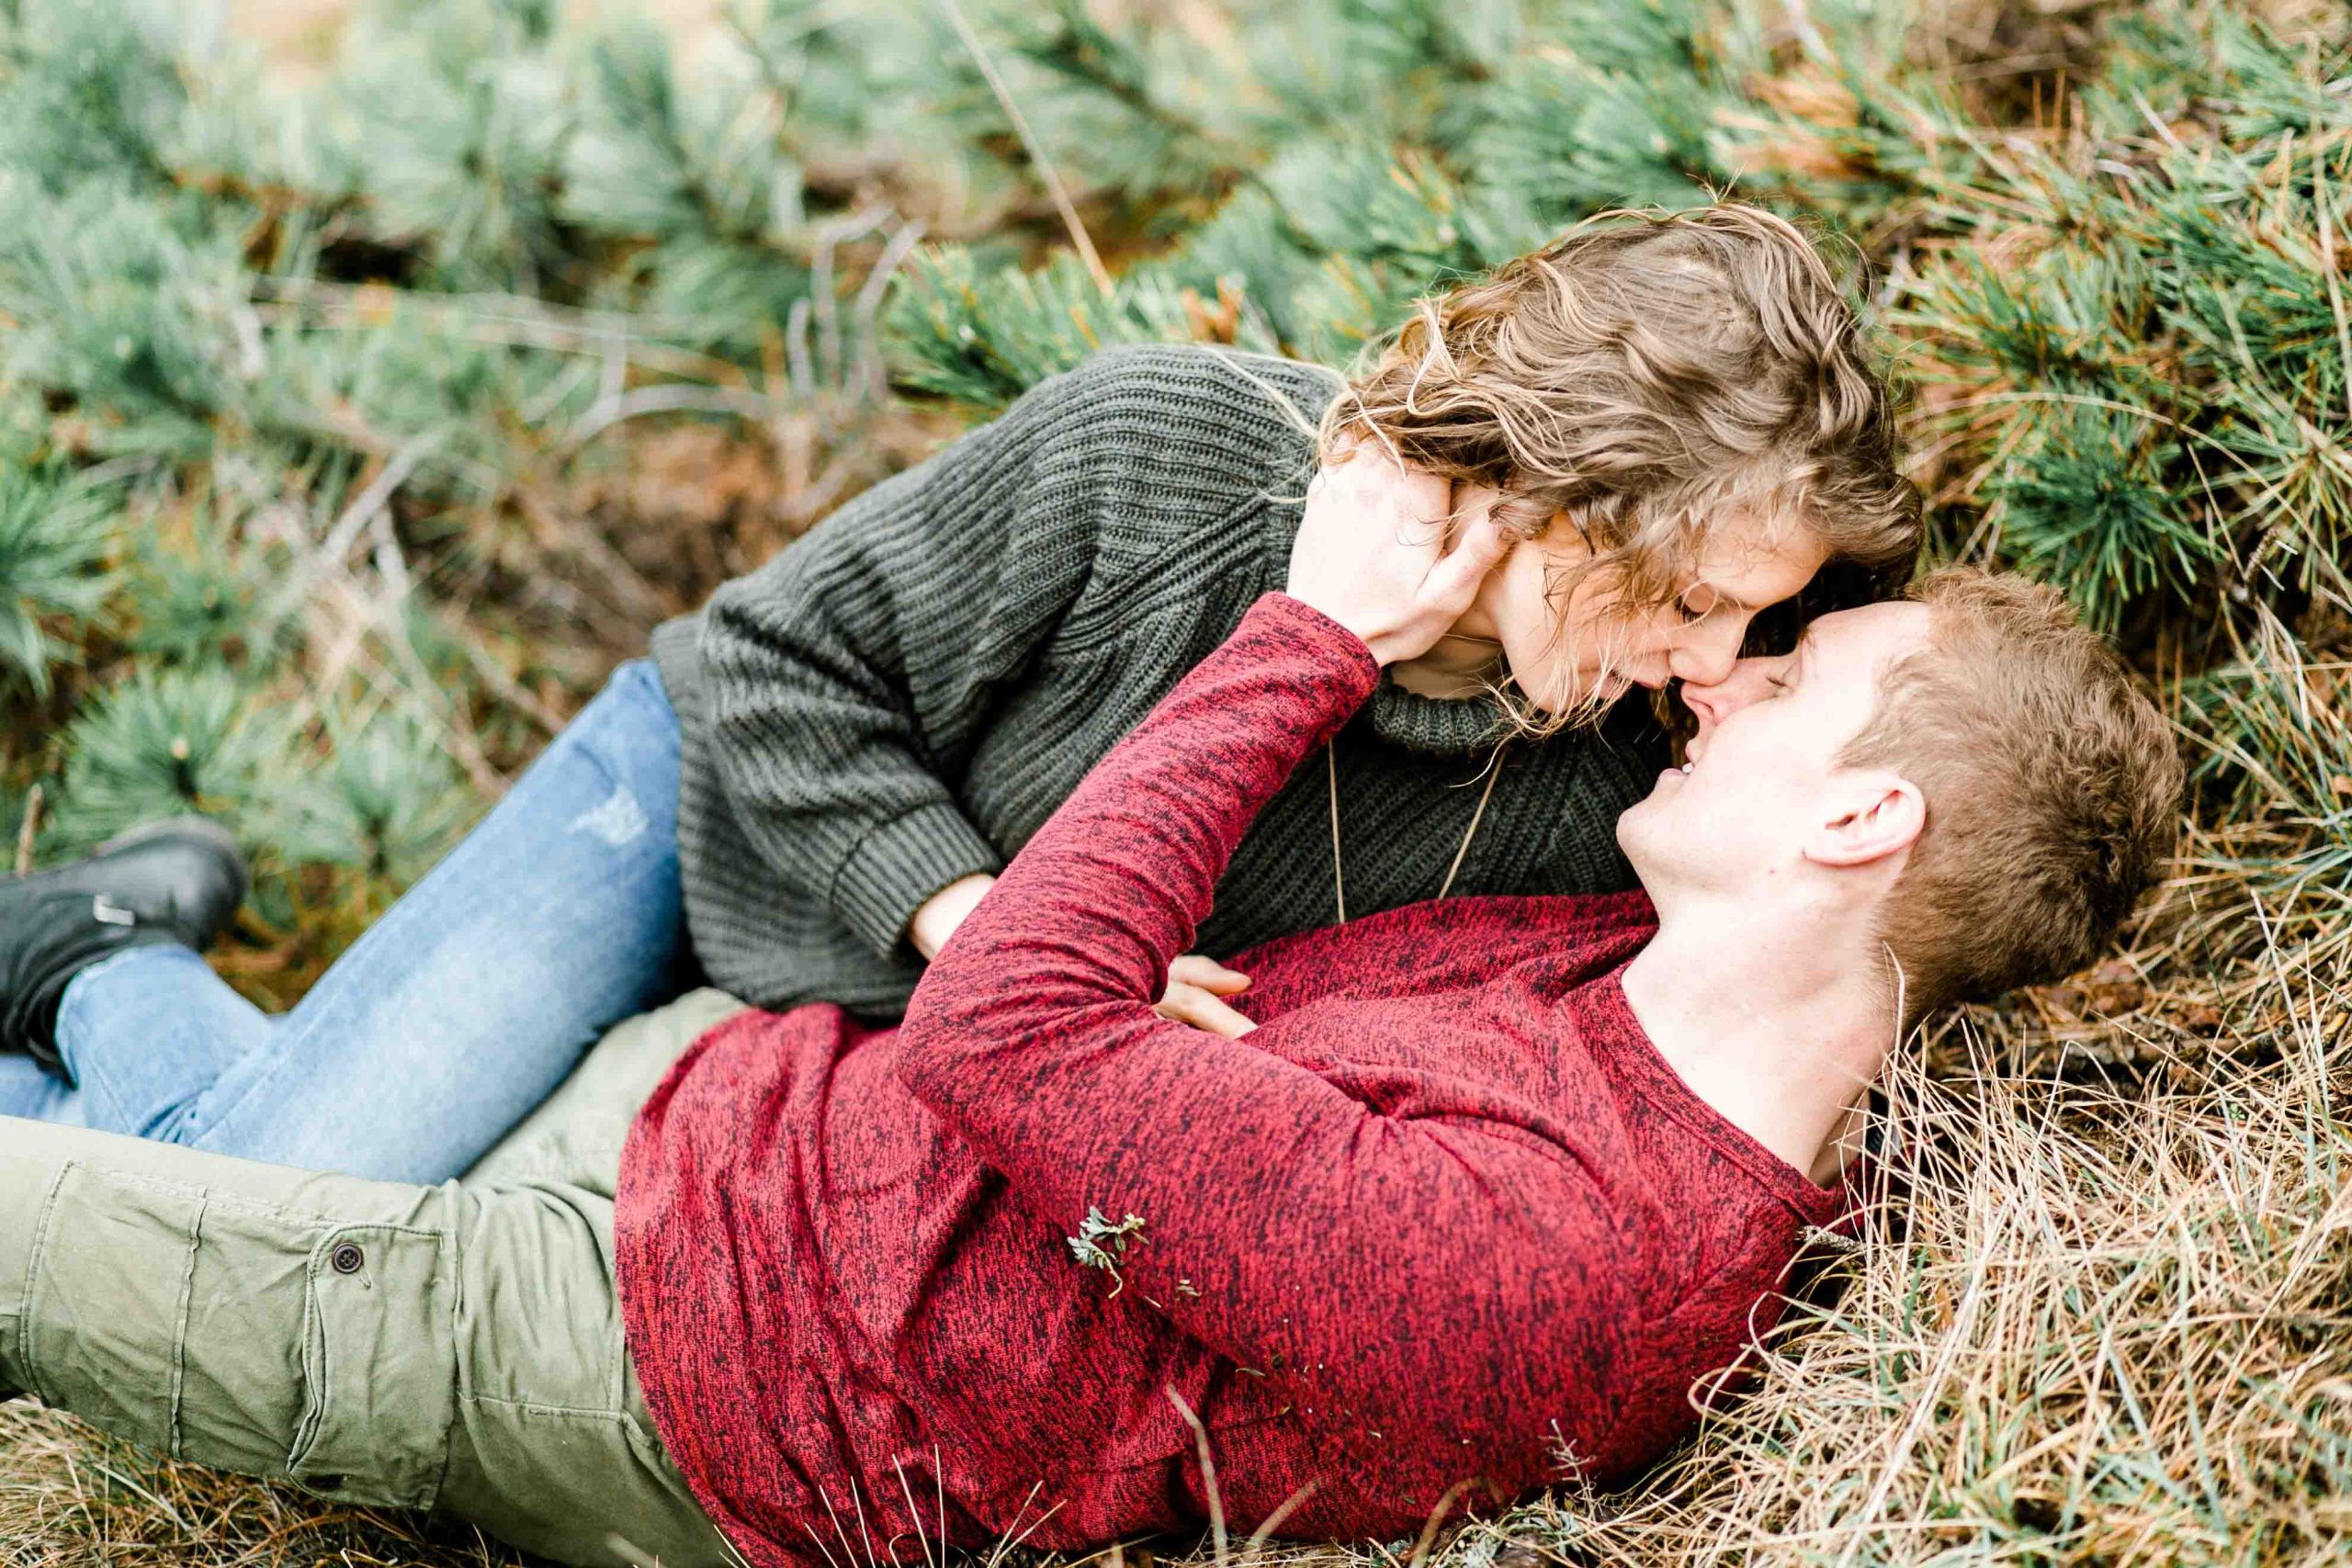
(1873, 813)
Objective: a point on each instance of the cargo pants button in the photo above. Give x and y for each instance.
(347, 1258)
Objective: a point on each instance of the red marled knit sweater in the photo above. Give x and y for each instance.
(1446, 1216)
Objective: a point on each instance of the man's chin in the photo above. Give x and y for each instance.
(1668, 781)
(1649, 820)
(1634, 828)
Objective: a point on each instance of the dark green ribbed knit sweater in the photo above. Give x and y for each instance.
(902, 697)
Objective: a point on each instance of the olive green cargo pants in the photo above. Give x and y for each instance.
(456, 1347)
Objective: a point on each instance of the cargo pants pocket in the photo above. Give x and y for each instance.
(246, 1336)
(379, 1364)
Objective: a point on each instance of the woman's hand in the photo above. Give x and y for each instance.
(1372, 553)
(944, 911)
(1195, 988)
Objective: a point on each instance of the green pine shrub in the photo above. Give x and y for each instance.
(354, 419)
(54, 541)
(164, 743)
(389, 804)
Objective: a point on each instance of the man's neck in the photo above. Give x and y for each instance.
(1780, 1023)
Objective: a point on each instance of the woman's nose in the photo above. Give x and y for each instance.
(1709, 657)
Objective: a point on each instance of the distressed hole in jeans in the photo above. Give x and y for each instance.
(615, 820)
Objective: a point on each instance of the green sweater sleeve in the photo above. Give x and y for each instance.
(847, 680)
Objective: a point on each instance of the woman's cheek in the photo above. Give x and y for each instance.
(1541, 651)
(1545, 675)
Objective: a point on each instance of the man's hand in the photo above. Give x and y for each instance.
(1195, 986)
(943, 913)
(1372, 552)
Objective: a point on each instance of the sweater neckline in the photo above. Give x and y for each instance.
(1446, 726)
(1811, 1202)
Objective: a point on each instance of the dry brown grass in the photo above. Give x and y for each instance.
(2107, 1319)
(68, 1496)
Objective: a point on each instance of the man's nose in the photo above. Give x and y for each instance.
(1716, 701)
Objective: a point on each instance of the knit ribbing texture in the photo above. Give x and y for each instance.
(901, 698)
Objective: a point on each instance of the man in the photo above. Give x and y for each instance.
(1491, 1182)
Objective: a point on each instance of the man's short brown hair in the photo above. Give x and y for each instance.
(2053, 789)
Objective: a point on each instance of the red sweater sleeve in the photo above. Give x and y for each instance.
(1390, 1249)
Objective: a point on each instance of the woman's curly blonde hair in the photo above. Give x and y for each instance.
(1649, 374)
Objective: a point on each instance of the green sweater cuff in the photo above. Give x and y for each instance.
(900, 865)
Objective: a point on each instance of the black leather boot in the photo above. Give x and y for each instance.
(177, 880)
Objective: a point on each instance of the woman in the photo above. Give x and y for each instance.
(814, 780)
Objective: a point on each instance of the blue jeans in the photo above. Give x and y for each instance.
(449, 1018)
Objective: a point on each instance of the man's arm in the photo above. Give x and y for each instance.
(1375, 1257)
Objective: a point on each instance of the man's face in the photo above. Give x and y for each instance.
(1761, 786)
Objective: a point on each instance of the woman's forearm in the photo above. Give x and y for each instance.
(936, 920)
(848, 680)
